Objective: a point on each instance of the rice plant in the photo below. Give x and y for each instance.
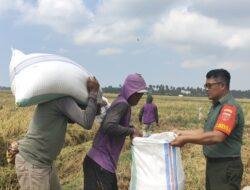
(174, 112)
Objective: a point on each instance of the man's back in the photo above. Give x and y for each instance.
(45, 137)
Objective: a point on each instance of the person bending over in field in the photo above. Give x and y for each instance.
(45, 138)
(100, 162)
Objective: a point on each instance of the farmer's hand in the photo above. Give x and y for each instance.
(92, 85)
(136, 133)
(104, 103)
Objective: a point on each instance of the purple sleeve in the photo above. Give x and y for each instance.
(156, 114)
(141, 114)
(110, 124)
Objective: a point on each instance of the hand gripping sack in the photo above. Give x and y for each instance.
(155, 164)
(37, 78)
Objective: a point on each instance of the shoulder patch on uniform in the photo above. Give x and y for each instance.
(227, 111)
(227, 118)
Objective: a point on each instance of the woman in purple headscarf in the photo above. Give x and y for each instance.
(100, 162)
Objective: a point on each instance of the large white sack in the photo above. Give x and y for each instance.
(155, 164)
(37, 78)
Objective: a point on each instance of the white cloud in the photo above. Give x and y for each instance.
(143, 9)
(121, 21)
(190, 29)
(181, 26)
(240, 39)
(109, 51)
(7, 5)
(196, 63)
(63, 16)
(229, 12)
(231, 65)
(212, 62)
(115, 33)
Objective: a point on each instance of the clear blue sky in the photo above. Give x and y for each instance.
(172, 42)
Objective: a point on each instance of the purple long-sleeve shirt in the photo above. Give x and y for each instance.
(148, 113)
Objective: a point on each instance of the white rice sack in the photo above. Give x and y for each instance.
(37, 78)
(156, 165)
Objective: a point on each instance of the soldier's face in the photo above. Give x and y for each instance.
(214, 88)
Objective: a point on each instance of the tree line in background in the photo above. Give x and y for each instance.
(172, 91)
(4, 88)
(179, 91)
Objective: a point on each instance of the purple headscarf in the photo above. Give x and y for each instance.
(132, 84)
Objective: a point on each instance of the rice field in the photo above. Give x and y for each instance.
(174, 113)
